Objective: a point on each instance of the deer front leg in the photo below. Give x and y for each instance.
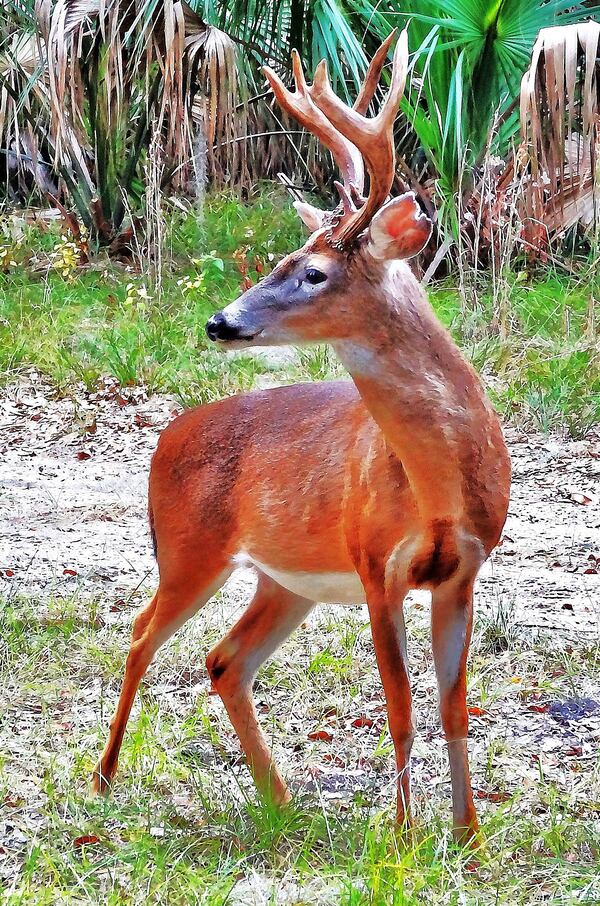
(451, 625)
(389, 640)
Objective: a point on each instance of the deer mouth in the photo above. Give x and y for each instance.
(241, 341)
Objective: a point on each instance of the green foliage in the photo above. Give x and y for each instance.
(545, 372)
(469, 58)
(107, 322)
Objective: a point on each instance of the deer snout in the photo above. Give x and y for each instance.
(236, 325)
(218, 327)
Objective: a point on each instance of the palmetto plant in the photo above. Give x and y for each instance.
(102, 79)
(86, 84)
(469, 58)
(345, 34)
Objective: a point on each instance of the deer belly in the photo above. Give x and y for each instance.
(323, 587)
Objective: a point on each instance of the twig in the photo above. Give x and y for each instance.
(437, 260)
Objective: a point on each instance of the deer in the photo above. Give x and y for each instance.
(349, 491)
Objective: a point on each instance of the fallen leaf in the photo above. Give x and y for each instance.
(492, 795)
(363, 722)
(476, 712)
(69, 572)
(81, 454)
(538, 709)
(86, 840)
(9, 573)
(574, 750)
(581, 498)
(324, 735)
(334, 759)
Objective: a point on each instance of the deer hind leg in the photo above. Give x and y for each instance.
(173, 604)
(270, 618)
(389, 640)
(451, 625)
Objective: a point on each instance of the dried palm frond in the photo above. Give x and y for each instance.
(19, 77)
(105, 75)
(217, 111)
(560, 122)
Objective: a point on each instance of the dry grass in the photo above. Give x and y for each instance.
(184, 825)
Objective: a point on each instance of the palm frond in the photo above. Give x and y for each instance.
(560, 121)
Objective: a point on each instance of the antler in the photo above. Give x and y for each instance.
(349, 134)
(365, 95)
(373, 136)
(300, 105)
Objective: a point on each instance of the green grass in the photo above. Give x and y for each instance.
(545, 371)
(184, 825)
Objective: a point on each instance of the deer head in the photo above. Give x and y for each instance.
(321, 291)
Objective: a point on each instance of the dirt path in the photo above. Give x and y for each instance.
(73, 476)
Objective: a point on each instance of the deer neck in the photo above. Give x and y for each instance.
(424, 396)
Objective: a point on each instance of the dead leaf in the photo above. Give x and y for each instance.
(476, 712)
(334, 759)
(323, 735)
(69, 572)
(580, 498)
(363, 722)
(86, 840)
(81, 454)
(492, 795)
(575, 750)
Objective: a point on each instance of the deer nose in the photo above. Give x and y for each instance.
(219, 328)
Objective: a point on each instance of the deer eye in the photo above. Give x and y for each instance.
(314, 276)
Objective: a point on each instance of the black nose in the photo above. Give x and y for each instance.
(218, 328)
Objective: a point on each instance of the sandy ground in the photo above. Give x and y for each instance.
(73, 475)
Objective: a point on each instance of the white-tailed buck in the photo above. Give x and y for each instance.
(335, 492)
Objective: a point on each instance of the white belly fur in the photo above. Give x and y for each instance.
(324, 588)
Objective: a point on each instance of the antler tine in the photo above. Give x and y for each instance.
(302, 108)
(348, 206)
(365, 95)
(374, 137)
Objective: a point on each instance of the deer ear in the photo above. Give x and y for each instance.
(399, 230)
(310, 216)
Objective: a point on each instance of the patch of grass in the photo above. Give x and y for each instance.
(184, 825)
(544, 372)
